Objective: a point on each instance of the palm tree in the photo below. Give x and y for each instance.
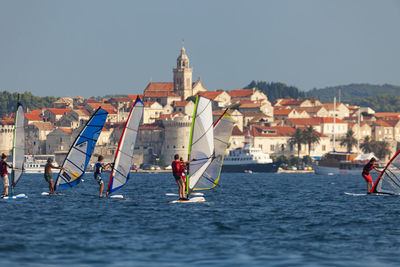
(382, 149)
(349, 140)
(367, 145)
(297, 139)
(311, 136)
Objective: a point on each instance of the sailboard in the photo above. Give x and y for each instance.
(79, 154)
(201, 143)
(222, 132)
(190, 200)
(19, 196)
(18, 150)
(388, 181)
(126, 148)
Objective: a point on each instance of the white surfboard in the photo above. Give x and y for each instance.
(117, 196)
(48, 194)
(175, 195)
(191, 200)
(19, 196)
(354, 194)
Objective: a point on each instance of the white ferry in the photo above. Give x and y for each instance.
(248, 159)
(36, 163)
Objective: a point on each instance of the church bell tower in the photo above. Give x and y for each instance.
(183, 76)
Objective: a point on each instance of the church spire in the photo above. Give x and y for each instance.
(183, 75)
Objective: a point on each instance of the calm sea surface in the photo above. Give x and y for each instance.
(251, 219)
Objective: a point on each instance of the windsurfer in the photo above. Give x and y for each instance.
(365, 174)
(4, 173)
(98, 169)
(47, 174)
(178, 168)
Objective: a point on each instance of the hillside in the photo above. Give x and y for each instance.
(8, 101)
(353, 91)
(275, 90)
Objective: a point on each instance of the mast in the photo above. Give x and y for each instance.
(190, 142)
(334, 123)
(359, 130)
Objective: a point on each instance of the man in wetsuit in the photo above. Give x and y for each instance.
(365, 174)
(98, 169)
(177, 171)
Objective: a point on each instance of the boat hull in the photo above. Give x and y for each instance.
(323, 170)
(268, 167)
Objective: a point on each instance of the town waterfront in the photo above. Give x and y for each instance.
(259, 219)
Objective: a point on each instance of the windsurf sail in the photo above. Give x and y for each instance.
(79, 154)
(126, 148)
(222, 132)
(388, 181)
(18, 150)
(201, 144)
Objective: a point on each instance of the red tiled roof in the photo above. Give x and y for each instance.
(387, 114)
(67, 130)
(282, 112)
(7, 121)
(34, 115)
(159, 87)
(133, 97)
(82, 112)
(111, 111)
(273, 131)
(160, 94)
(382, 123)
(236, 131)
(241, 93)
(210, 94)
(289, 102)
(182, 103)
(121, 99)
(59, 111)
(329, 120)
(104, 106)
(91, 100)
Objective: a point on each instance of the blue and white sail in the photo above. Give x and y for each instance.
(78, 157)
(126, 148)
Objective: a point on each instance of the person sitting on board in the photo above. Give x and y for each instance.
(98, 169)
(47, 174)
(4, 173)
(177, 171)
(365, 173)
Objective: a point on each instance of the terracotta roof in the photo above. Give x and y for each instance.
(111, 111)
(59, 111)
(160, 94)
(392, 123)
(241, 93)
(91, 100)
(34, 115)
(182, 103)
(43, 125)
(382, 123)
(282, 112)
(167, 116)
(329, 120)
(288, 102)
(387, 114)
(133, 97)
(159, 87)
(121, 99)
(7, 121)
(81, 112)
(67, 130)
(104, 106)
(236, 131)
(210, 94)
(303, 121)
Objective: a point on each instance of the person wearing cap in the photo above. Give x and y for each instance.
(47, 174)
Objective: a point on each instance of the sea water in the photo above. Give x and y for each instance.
(250, 219)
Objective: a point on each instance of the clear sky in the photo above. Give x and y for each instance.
(85, 47)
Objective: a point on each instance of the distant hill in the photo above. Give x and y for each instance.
(353, 91)
(275, 90)
(8, 101)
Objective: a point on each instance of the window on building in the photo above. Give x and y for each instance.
(272, 147)
(323, 147)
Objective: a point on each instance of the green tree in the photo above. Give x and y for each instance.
(382, 149)
(349, 140)
(367, 145)
(297, 139)
(311, 136)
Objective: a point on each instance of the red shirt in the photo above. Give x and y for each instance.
(178, 167)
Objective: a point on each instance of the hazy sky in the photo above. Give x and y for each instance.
(68, 48)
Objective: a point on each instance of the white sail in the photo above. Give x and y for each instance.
(18, 146)
(126, 148)
(201, 146)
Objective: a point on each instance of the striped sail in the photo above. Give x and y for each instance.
(222, 132)
(388, 181)
(78, 157)
(126, 148)
(18, 150)
(201, 145)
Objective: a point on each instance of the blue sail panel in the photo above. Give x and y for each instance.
(78, 157)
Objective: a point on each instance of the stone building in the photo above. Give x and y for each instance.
(176, 137)
(6, 135)
(35, 137)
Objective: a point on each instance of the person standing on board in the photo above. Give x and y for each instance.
(4, 173)
(367, 168)
(47, 174)
(177, 171)
(98, 169)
